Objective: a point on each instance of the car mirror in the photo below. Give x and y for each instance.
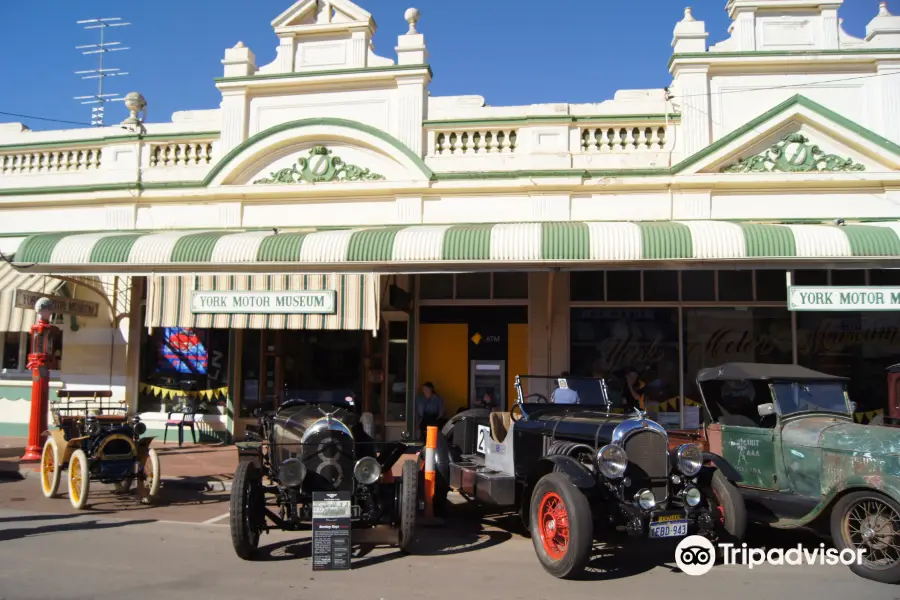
(765, 410)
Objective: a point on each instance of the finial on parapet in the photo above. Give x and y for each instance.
(412, 17)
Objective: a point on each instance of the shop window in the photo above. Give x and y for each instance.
(735, 286)
(586, 286)
(436, 287)
(12, 344)
(15, 349)
(611, 343)
(473, 286)
(771, 286)
(714, 336)
(623, 286)
(698, 286)
(396, 371)
(858, 345)
(184, 368)
(884, 277)
(511, 286)
(848, 277)
(660, 286)
(810, 277)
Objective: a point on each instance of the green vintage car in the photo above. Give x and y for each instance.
(789, 432)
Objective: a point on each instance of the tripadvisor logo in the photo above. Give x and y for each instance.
(696, 555)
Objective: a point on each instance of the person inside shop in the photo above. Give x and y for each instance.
(634, 391)
(429, 409)
(563, 394)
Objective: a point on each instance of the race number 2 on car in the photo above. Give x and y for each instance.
(484, 434)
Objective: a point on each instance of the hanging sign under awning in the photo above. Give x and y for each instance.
(60, 305)
(315, 302)
(834, 298)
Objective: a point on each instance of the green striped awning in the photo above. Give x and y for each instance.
(509, 243)
(358, 301)
(12, 318)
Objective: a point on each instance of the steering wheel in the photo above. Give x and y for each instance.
(541, 399)
(516, 413)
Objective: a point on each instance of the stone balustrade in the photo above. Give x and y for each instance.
(181, 154)
(467, 141)
(58, 160)
(643, 137)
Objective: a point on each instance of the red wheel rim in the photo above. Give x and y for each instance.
(553, 525)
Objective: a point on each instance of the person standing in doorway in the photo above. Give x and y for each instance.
(429, 409)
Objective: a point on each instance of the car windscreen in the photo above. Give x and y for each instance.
(577, 390)
(810, 396)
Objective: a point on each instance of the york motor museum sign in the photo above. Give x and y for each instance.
(319, 302)
(821, 298)
(59, 305)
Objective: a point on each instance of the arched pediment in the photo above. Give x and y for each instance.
(319, 151)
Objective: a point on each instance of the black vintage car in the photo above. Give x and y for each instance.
(320, 442)
(573, 467)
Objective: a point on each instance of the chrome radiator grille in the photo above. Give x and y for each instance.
(648, 464)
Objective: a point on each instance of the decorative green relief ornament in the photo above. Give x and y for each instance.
(320, 167)
(794, 154)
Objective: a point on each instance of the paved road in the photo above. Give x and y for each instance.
(142, 554)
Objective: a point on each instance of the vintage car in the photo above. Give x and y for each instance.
(789, 431)
(320, 442)
(571, 470)
(96, 441)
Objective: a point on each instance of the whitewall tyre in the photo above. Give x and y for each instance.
(50, 468)
(148, 485)
(79, 479)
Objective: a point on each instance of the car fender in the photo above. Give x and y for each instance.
(250, 451)
(574, 471)
(719, 462)
(442, 456)
(888, 485)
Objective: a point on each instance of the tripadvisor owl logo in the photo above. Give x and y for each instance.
(696, 555)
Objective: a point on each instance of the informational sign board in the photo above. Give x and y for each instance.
(840, 298)
(59, 305)
(331, 531)
(319, 302)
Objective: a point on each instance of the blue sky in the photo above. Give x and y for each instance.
(509, 51)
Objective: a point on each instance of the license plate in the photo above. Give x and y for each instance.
(667, 529)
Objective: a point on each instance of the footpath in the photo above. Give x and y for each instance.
(196, 467)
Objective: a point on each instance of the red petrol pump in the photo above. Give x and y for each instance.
(41, 360)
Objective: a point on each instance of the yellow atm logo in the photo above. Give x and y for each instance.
(476, 338)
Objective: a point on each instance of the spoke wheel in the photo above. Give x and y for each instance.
(870, 522)
(561, 526)
(50, 471)
(554, 525)
(149, 480)
(79, 479)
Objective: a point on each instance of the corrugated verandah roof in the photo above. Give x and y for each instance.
(557, 242)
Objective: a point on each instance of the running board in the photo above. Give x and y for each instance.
(483, 484)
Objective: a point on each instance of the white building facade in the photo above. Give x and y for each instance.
(332, 225)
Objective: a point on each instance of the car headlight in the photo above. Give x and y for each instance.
(645, 499)
(140, 428)
(367, 470)
(691, 496)
(612, 461)
(690, 459)
(292, 472)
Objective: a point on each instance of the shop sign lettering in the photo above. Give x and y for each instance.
(320, 302)
(59, 305)
(821, 298)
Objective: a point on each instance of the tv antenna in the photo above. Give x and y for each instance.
(100, 73)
